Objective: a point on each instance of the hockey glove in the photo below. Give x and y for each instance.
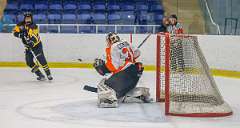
(100, 66)
(23, 32)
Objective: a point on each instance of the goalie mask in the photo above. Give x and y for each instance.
(112, 38)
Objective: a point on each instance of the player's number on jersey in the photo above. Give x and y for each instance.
(126, 55)
(122, 45)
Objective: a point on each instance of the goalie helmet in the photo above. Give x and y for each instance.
(28, 18)
(112, 37)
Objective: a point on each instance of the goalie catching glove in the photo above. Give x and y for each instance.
(100, 66)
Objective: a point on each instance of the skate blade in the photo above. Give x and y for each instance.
(42, 79)
(50, 78)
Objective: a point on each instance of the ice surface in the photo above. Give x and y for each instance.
(27, 103)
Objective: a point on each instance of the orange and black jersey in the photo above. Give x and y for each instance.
(119, 56)
(28, 33)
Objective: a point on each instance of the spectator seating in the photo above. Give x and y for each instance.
(123, 12)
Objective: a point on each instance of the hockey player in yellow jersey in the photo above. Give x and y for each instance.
(123, 74)
(28, 32)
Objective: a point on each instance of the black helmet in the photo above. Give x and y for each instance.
(113, 37)
(28, 14)
(173, 16)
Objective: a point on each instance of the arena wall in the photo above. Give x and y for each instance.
(221, 52)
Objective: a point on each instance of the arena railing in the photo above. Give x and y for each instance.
(95, 28)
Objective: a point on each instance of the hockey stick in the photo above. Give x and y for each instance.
(140, 45)
(34, 55)
(90, 88)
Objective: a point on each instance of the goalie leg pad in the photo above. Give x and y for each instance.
(106, 96)
(138, 95)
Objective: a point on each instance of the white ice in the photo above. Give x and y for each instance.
(27, 103)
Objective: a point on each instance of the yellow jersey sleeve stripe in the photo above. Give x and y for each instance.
(16, 29)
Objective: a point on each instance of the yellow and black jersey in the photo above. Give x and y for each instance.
(28, 33)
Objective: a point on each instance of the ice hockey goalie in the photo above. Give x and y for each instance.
(120, 85)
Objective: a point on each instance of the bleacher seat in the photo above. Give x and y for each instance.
(128, 18)
(55, 7)
(70, 7)
(127, 7)
(141, 7)
(88, 12)
(156, 8)
(114, 18)
(40, 18)
(12, 17)
(20, 18)
(99, 7)
(26, 7)
(41, 6)
(113, 7)
(11, 6)
(54, 18)
(99, 18)
(69, 19)
(84, 18)
(84, 7)
(146, 18)
(158, 18)
(36, 12)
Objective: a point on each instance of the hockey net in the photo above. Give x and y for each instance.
(183, 79)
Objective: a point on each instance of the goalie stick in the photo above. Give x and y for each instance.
(90, 88)
(140, 45)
